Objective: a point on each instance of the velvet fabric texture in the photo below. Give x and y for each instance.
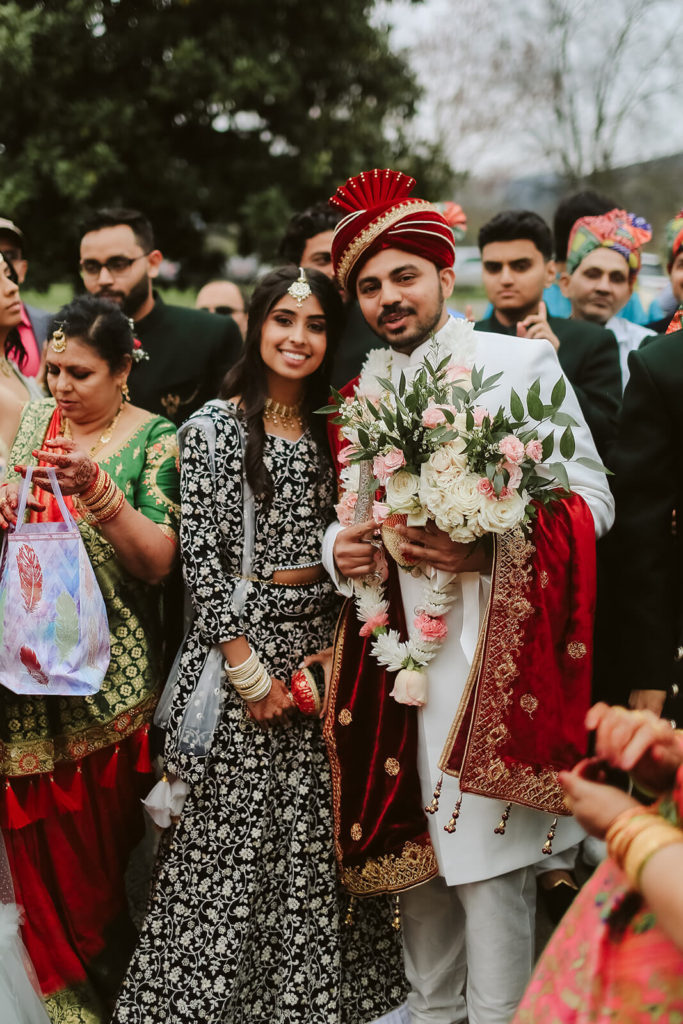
(522, 714)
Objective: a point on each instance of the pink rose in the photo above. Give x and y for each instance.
(433, 416)
(455, 372)
(374, 622)
(512, 448)
(432, 628)
(534, 450)
(345, 508)
(480, 413)
(515, 475)
(380, 511)
(485, 487)
(384, 466)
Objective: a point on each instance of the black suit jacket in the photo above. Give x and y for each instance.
(189, 352)
(589, 356)
(648, 487)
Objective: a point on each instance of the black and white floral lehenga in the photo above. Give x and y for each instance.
(246, 921)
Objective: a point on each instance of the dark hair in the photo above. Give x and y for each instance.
(14, 346)
(115, 215)
(302, 226)
(100, 324)
(510, 225)
(580, 204)
(248, 377)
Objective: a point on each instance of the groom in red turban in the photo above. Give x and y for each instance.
(509, 685)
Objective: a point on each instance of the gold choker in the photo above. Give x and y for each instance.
(283, 415)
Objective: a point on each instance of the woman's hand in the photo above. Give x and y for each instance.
(9, 503)
(593, 804)
(74, 468)
(275, 708)
(326, 659)
(637, 742)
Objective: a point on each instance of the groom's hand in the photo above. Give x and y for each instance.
(431, 545)
(354, 554)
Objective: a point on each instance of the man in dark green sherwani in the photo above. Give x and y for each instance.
(188, 350)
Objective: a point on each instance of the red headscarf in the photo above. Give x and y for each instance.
(381, 214)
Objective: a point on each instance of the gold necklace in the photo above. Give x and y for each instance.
(283, 415)
(5, 367)
(105, 436)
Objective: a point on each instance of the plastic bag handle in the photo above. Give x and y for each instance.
(56, 490)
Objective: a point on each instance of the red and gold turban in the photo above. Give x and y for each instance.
(381, 214)
(618, 230)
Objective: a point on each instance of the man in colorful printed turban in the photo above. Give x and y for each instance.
(470, 926)
(674, 265)
(603, 260)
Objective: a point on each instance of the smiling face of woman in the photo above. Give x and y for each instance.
(83, 384)
(293, 340)
(10, 306)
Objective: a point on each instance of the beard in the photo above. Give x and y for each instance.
(131, 301)
(416, 331)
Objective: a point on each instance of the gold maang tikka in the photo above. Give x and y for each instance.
(300, 290)
(58, 340)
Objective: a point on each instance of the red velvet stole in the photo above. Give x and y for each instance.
(381, 838)
(521, 717)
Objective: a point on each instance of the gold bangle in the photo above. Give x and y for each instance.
(94, 495)
(117, 502)
(645, 845)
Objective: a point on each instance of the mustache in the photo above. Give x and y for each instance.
(396, 309)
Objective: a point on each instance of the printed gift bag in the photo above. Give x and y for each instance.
(54, 634)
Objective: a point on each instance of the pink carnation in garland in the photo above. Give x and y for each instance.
(373, 623)
(345, 508)
(431, 627)
(534, 450)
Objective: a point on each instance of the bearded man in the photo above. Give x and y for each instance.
(511, 680)
(189, 351)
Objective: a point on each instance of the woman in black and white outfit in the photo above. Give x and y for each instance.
(246, 920)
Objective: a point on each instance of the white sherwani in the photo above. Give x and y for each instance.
(474, 852)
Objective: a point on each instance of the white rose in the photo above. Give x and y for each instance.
(464, 494)
(401, 491)
(449, 456)
(499, 516)
(463, 534)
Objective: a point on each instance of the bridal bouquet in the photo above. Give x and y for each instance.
(428, 448)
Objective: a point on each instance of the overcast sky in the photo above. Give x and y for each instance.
(654, 130)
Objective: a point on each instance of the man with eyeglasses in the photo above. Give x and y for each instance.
(189, 350)
(225, 298)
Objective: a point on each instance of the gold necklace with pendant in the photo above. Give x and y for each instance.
(104, 438)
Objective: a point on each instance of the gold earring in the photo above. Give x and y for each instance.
(125, 391)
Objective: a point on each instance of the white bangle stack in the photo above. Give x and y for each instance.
(250, 679)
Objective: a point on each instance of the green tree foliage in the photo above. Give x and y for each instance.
(196, 111)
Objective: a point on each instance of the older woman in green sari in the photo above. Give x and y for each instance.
(75, 768)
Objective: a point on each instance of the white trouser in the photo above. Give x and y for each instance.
(481, 934)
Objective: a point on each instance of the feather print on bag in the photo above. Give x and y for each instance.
(32, 666)
(30, 577)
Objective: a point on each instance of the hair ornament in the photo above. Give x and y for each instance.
(300, 290)
(58, 340)
(140, 355)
